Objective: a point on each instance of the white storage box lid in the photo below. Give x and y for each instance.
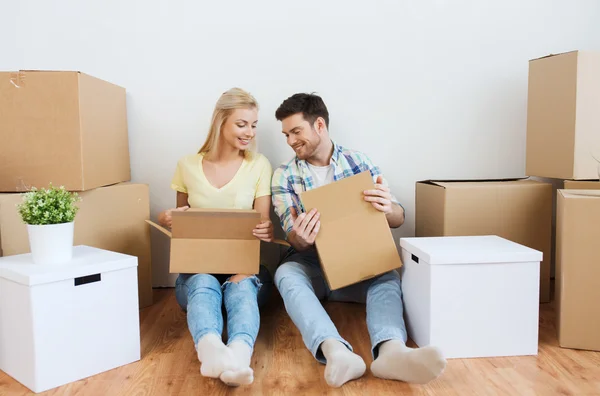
(478, 249)
(86, 261)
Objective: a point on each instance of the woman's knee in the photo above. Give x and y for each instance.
(199, 281)
(238, 278)
(188, 285)
(263, 276)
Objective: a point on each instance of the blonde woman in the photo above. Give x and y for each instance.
(225, 173)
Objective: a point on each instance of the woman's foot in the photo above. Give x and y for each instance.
(243, 374)
(215, 358)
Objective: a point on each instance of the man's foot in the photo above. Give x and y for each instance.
(398, 362)
(342, 364)
(214, 356)
(243, 374)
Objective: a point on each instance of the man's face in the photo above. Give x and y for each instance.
(302, 137)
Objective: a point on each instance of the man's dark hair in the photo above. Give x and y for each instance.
(310, 105)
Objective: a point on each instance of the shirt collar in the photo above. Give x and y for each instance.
(335, 156)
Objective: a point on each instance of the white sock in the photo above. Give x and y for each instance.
(398, 362)
(342, 364)
(242, 374)
(214, 356)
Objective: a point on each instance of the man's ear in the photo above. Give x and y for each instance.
(320, 125)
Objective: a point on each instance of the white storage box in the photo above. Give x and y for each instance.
(63, 323)
(474, 296)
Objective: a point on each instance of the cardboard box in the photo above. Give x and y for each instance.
(582, 185)
(110, 218)
(472, 296)
(213, 241)
(519, 210)
(578, 269)
(562, 116)
(354, 242)
(64, 128)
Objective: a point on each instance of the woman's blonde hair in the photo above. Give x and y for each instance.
(235, 98)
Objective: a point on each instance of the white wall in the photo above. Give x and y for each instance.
(403, 80)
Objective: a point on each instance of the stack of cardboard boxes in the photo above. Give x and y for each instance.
(563, 143)
(70, 129)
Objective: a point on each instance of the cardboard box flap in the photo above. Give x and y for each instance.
(553, 55)
(472, 182)
(169, 234)
(215, 224)
(44, 71)
(480, 249)
(160, 228)
(343, 250)
(350, 188)
(582, 194)
(593, 184)
(348, 256)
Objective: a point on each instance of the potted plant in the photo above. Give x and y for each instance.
(50, 218)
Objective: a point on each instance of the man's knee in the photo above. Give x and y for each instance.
(290, 273)
(389, 277)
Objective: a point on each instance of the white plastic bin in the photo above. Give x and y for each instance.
(63, 323)
(473, 296)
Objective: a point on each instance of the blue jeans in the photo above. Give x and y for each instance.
(202, 296)
(301, 284)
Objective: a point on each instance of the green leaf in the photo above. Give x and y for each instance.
(52, 205)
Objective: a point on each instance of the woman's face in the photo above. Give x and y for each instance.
(240, 128)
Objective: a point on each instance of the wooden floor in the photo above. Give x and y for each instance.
(284, 367)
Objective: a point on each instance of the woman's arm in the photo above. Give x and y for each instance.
(165, 219)
(182, 200)
(264, 230)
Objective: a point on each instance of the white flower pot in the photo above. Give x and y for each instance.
(52, 243)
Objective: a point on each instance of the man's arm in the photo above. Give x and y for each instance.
(301, 229)
(381, 196)
(305, 230)
(396, 217)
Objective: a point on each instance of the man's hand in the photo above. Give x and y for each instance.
(166, 220)
(380, 197)
(305, 229)
(264, 231)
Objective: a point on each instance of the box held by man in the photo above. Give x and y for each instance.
(355, 242)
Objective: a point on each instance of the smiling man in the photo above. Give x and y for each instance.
(299, 279)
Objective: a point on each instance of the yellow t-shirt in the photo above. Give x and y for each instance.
(252, 180)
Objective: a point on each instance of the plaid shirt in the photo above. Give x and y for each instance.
(294, 177)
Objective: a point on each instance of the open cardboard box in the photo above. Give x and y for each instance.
(354, 242)
(213, 241)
